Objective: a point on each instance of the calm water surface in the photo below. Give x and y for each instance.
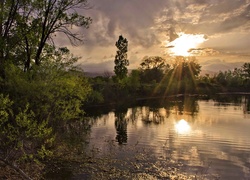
(212, 136)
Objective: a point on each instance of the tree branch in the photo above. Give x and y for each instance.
(17, 169)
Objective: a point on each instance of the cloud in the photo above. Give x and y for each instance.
(207, 17)
(216, 65)
(225, 23)
(132, 19)
(146, 23)
(149, 25)
(203, 51)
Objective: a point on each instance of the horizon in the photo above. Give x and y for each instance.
(206, 68)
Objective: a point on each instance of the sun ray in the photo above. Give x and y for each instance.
(192, 73)
(171, 79)
(180, 77)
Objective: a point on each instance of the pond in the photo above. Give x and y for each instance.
(208, 138)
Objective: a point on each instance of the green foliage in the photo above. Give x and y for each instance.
(51, 91)
(121, 60)
(246, 74)
(184, 67)
(27, 27)
(109, 90)
(22, 137)
(95, 97)
(236, 80)
(157, 78)
(153, 62)
(44, 98)
(183, 75)
(161, 78)
(134, 80)
(40, 85)
(154, 78)
(246, 70)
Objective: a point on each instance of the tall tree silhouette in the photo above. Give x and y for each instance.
(121, 128)
(121, 60)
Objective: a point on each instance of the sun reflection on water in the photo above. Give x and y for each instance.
(182, 127)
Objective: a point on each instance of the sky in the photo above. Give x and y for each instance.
(217, 32)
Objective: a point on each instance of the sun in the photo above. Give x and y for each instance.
(182, 127)
(182, 45)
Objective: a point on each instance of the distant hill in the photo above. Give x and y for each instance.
(95, 74)
(210, 73)
(210, 67)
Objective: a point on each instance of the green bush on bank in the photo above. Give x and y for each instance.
(22, 137)
(33, 105)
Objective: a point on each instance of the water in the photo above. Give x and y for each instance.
(205, 136)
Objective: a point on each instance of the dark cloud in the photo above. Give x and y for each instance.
(132, 18)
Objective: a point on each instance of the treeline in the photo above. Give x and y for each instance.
(157, 78)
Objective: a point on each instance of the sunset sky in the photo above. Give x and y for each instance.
(216, 31)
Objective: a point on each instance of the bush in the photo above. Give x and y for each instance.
(22, 137)
(52, 93)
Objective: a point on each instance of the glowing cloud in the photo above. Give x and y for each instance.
(181, 46)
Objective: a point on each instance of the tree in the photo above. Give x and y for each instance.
(184, 67)
(184, 73)
(153, 68)
(8, 12)
(153, 62)
(54, 90)
(30, 25)
(233, 80)
(246, 74)
(35, 104)
(246, 70)
(121, 60)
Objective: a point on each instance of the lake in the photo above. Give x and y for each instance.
(205, 138)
